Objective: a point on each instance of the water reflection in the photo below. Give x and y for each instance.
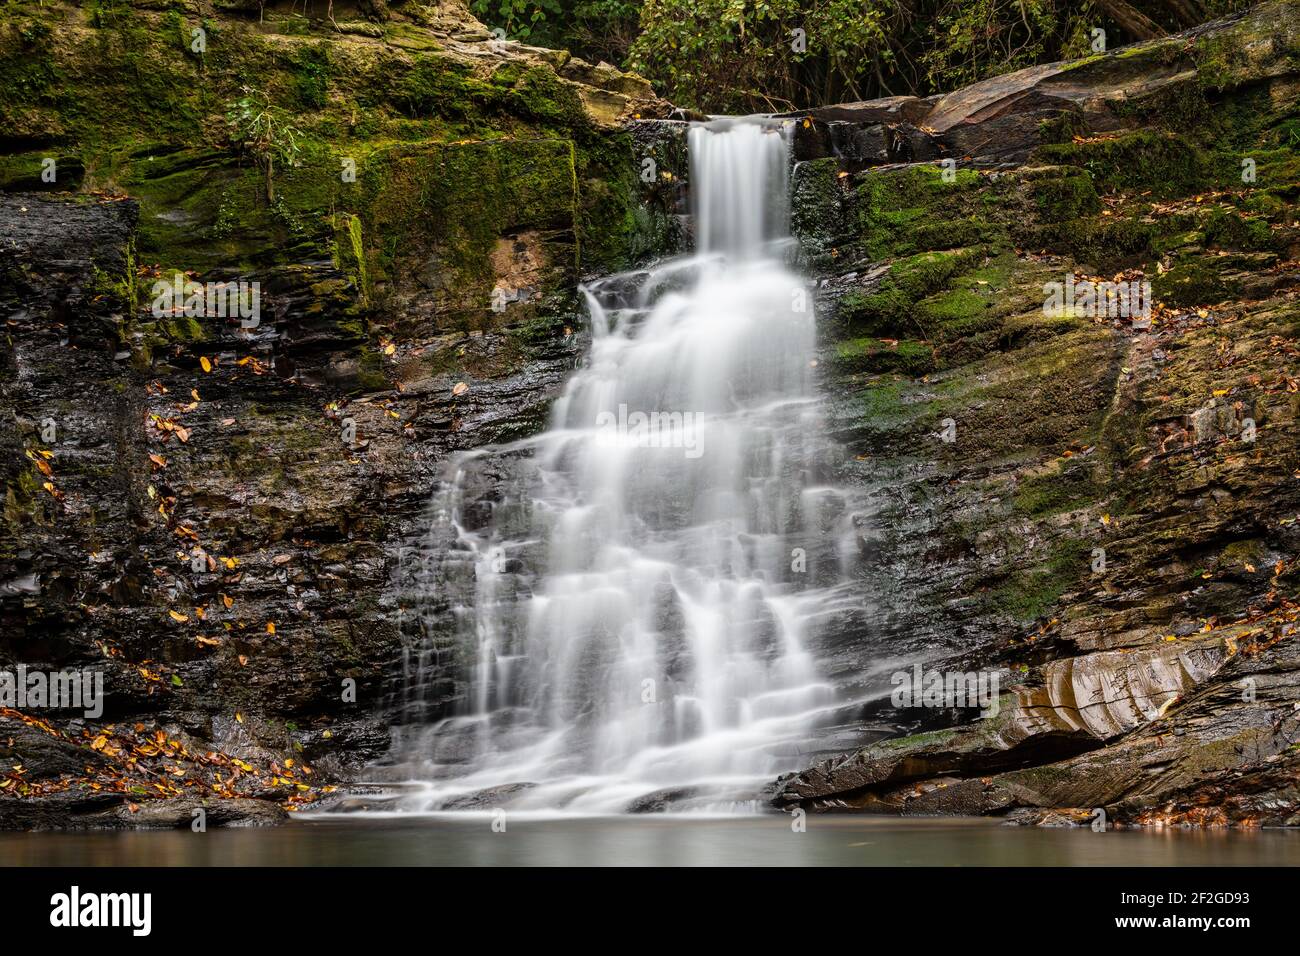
(468, 840)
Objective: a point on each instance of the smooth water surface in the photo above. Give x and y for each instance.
(466, 839)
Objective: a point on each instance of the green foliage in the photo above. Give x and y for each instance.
(262, 131)
(981, 38)
(739, 56)
(727, 55)
(311, 76)
(520, 19)
(731, 55)
(595, 30)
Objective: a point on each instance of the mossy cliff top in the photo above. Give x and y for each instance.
(254, 138)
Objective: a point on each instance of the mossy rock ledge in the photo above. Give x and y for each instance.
(417, 202)
(1100, 510)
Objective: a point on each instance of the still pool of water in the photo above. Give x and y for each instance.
(682, 840)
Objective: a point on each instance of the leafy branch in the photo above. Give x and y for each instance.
(263, 131)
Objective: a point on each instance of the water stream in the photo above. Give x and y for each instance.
(630, 599)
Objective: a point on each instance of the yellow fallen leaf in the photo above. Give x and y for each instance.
(178, 616)
(270, 627)
(205, 364)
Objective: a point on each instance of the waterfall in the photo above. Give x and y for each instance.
(630, 595)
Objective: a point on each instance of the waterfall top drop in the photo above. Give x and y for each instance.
(740, 185)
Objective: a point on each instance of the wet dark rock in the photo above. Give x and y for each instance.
(45, 757)
(183, 814)
(488, 799)
(1101, 532)
(105, 811)
(662, 801)
(281, 529)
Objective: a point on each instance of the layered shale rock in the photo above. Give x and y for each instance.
(1098, 508)
(218, 511)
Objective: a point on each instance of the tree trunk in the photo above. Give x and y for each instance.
(1133, 22)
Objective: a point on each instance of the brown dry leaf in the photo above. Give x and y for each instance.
(282, 559)
(227, 600)
(243, 660)
(158, 460)
(183, 434)
(460, 388)
(177, 616)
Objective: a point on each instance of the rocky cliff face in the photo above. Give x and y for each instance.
(215, 510)
(1099, 509)
(225, 516)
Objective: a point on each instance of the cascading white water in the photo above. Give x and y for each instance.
(632, 615)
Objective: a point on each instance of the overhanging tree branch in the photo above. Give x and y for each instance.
(1132, 21)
